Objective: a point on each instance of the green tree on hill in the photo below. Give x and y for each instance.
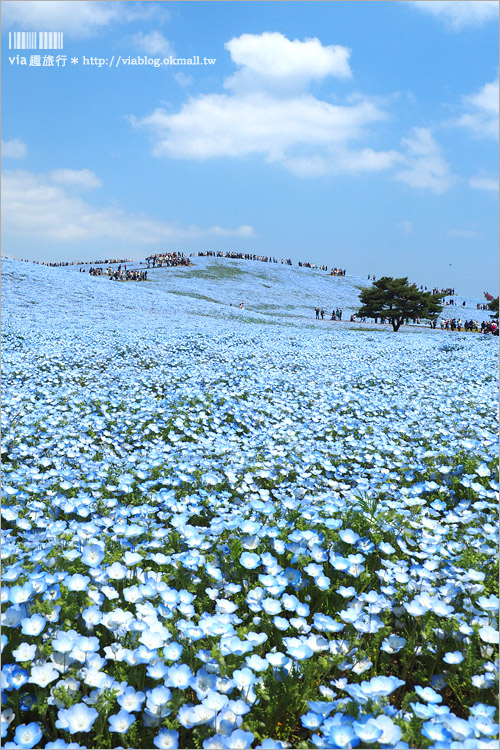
(397, 300)
(493, 306)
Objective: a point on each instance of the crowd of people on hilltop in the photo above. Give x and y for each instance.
(94, 271)
(449, 292)
(456, 324)
(119, 274)
(157, 260)
(308, 264)
(130, 275)
(242, 256)
(320, 313)
(83, 262)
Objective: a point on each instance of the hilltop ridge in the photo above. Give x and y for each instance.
(214, 287)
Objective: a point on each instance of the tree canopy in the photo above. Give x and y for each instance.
(397, 300)
(493, 306)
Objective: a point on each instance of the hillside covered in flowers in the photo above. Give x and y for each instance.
(240, 528)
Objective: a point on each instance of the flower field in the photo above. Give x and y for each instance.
(220, 530)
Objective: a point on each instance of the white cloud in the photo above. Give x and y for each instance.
(79, 178)
(217, 125)
(14, 149)
(341, 160)
(460, 14)
(425, 166)
(37, 205)
(304, 134)
(268, 113)
(461, 233)
(482, 111)
(484, 183)
(270, 61)
(84, 18)
(153, 43)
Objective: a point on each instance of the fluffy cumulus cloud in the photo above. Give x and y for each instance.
(269, 111)
(152, 43)
(270, 61)
(48, 207)
(460, 14)
(481, 115)
(14, 149)
(78, 19)
(424, 164)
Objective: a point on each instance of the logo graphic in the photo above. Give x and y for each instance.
(35, 40)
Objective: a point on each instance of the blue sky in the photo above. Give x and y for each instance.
(357, 134)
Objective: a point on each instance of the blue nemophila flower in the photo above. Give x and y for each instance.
(489, 603)
(191, 716)
(311, 720)
(453, 657)
(215, 700)
(415, 607)
(348, 592)
(77, 582)
(256, 663)
(130, 700)
(460, 729)
(20, 594)
(156, 669)
(167, 739)
(33, 625)
(342, 736)
(393, 643)
(239, 740)
(159, 696)
(391, 732)
(215, 742)
(428, 694)
(320, 707)
(297, 649)
(489, 634)
(25, 652)
(367, 730)
(483, 725)
(243, 678)
(77, 718)
(28, 735)
(203, 683)
(179, 676)
(92, 555)
(423, 711)
(348, 536)
(250, 560)
(281, 623)
(121, 722)
(43, 674)
(117, 571)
